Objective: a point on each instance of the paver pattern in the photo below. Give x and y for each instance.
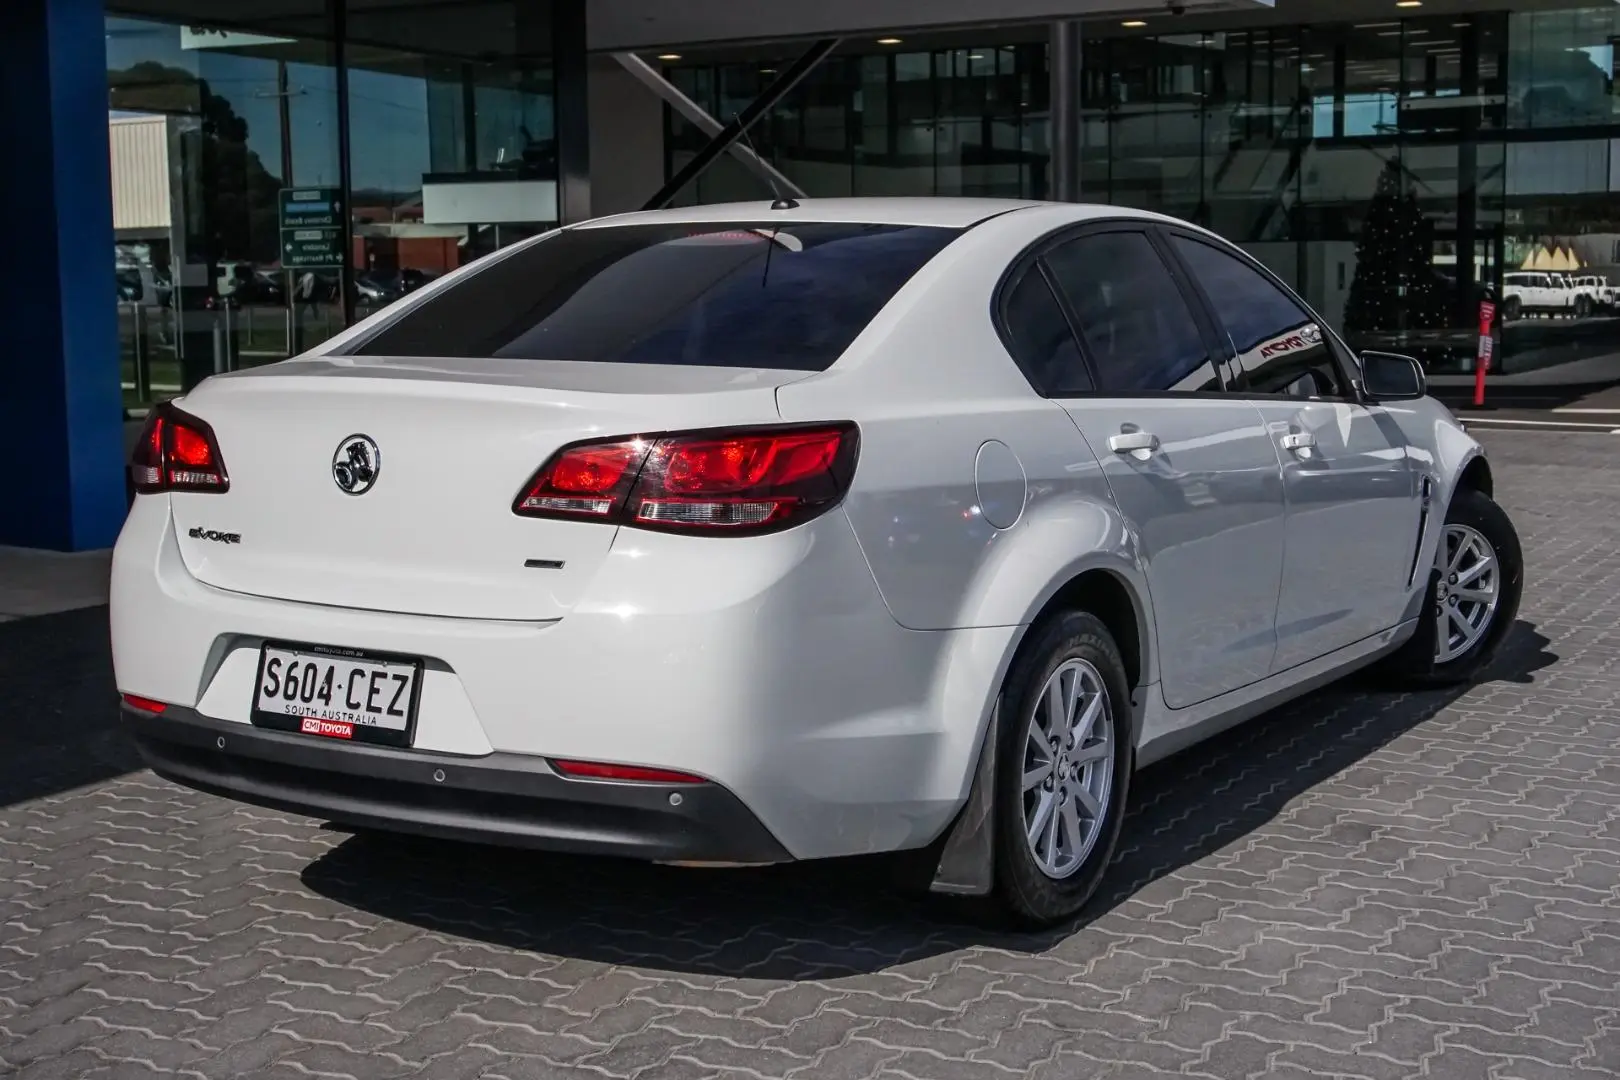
(1359, 885)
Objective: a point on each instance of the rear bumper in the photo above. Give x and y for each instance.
(510, 799)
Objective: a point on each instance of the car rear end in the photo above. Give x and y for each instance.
(537, 561)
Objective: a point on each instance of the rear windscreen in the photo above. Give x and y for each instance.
(744, 294)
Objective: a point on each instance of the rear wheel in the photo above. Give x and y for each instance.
(1511, 308)
(1583, 306)
(1473, 597)
(1063, 770)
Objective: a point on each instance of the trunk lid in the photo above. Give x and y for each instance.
(435, 533)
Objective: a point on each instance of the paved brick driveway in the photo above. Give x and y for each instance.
(1355, 886)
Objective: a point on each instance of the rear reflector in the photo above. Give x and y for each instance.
(177, 452)
(143, 704)
(735, 481)
(591, 770)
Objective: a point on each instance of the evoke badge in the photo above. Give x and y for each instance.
(356, 464)
(199, 533)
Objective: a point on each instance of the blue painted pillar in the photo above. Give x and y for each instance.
(59, 364)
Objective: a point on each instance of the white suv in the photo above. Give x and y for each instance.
(1539, 292)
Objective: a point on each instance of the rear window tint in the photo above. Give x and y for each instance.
(744, 294)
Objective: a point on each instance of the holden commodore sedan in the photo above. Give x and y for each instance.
(747, 534)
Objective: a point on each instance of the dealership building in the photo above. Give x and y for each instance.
(267, 173)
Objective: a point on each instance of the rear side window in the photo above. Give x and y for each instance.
(1041, 339)
(1137, 327)
(745, 294)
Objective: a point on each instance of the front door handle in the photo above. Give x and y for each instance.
(1299, 441)
(1131, 441)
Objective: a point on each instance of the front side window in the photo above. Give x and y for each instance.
(1136, 326)
(1278, 345)
(744, 294)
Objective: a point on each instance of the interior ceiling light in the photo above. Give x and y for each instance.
(1408, 3)
(1133, 23)
(669, 56)
(888, 41)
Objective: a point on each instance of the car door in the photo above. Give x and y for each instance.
(1353, 499)
(1191, 468)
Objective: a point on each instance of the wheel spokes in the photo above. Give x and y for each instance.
(1472, 574)
(1088, 719)
(1088, 802)
(1071, 826)
(1057, 709)
(1035, 777)
(1086, 755)
(1456, 556)
(1046, 804)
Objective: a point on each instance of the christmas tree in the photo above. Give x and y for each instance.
(1396, 286)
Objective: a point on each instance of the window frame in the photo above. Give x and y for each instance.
(1033, 259)
(1339, 354)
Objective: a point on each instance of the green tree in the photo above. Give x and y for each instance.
(237, 194)
(1396, 286)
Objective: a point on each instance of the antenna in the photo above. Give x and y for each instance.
(781, 199)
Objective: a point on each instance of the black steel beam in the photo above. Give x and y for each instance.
(775, 92)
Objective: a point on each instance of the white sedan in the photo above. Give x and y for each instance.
(742, 534)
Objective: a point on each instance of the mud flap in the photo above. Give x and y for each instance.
(967, 862)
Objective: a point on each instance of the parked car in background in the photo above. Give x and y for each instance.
(748, 534)
(1596, 289)
(1539, 292)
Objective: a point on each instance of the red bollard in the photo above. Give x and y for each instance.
(1482, 361)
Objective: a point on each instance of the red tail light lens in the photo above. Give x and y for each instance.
(143, 704)
(177, 452)
(587, 481)
(591, 770)
(741, 481)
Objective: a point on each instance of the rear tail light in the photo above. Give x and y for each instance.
(143, 704)
(592, 770)
(177, 452)
(736, 481)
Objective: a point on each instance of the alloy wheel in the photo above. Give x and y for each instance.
(1468, 591)
(1068, 768)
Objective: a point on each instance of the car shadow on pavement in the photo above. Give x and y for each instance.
(60, 729)
(835, 918)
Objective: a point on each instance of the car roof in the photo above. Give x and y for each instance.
(946, 212)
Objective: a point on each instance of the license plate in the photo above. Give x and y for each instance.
(337, 693)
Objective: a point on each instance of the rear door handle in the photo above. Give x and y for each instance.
(1130, 441)
(1299, 441)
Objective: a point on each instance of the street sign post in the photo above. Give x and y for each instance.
(313, 229)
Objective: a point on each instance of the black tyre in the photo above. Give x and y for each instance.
(1063, 769)
(1473, 598)
(1583, 306)
(1511, 309)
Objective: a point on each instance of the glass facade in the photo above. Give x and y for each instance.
(278, 177)
(279, 173)
(956, 121)
(1394, 171)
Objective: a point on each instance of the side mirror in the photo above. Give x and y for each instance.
(1392, 377)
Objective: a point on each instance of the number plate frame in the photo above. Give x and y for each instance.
(362, 733)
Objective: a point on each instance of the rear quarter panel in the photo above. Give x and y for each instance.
(956, 537)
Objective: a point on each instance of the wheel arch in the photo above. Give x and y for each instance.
(1476, 476)
(960, 861)
(1105, 593)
